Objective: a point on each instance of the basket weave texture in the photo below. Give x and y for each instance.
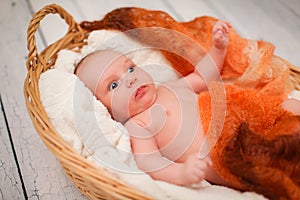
(93, 181)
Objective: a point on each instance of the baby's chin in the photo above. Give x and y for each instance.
(120, 119)
(139, 105)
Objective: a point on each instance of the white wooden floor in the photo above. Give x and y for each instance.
(27, 168)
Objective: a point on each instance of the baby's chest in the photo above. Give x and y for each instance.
(171, 108)
(175, 119)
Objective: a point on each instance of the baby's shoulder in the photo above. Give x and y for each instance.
(151, 121)
(138, 121)
(137, 128)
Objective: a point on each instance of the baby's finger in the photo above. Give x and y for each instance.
(218, 26)
(227, 23)
(202, 164)
(225, 27)
(200, 175)
(208, 161)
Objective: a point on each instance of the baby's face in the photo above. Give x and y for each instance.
(125, 89)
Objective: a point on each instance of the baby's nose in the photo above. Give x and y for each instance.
(130, 81)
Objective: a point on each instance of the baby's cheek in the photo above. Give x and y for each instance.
(132, 106)
(107, 102)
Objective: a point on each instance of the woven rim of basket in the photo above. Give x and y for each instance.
(93, 181)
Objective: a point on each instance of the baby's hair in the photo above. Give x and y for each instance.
(81, 61)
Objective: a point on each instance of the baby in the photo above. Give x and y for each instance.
(162, 119)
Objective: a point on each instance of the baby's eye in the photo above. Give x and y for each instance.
(131, 69)
(113, 85)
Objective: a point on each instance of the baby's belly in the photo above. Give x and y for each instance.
(181, 135)
(175, 122)
(183, 145)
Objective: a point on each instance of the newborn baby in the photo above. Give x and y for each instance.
(162, 119)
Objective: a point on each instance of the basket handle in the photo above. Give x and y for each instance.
(34, 24)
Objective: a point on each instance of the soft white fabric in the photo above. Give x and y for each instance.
(86, 125)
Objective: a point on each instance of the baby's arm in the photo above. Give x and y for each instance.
(150, 160)
(209, 67)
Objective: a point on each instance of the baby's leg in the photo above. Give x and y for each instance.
(292, 105)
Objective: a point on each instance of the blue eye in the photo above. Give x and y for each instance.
(113, 85)
(131, 69)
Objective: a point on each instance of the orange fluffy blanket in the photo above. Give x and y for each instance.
(255, 143)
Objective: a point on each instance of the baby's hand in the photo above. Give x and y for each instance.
(219, 34)
(194, 169)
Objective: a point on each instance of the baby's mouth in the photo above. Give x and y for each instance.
(140, 92)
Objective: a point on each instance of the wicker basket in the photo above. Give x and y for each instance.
(91, 180)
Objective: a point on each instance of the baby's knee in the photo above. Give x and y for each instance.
(292, 105)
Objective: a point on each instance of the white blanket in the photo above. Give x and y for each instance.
(86, 125)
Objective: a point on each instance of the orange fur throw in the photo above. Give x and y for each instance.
(255, 143)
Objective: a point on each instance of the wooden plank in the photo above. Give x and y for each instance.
(41, 173)
(10, 182)
(293, 6)
(286, 16)
(280, 13)
(193, 9)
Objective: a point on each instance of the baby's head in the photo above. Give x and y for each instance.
(125, 89)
